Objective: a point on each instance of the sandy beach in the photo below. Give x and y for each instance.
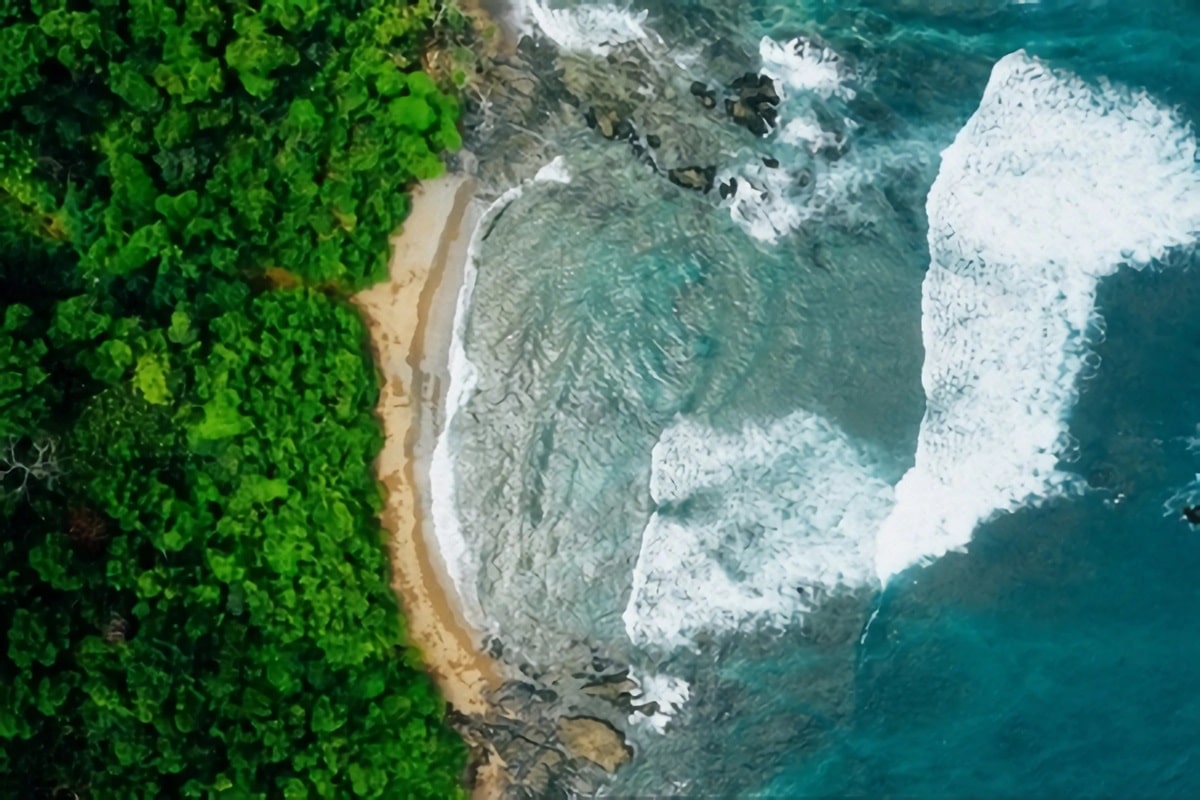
(410, 317)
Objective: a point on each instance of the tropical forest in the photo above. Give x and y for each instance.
(194, 583)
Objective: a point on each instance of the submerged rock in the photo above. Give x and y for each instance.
(607, 123)
(614, 691)
(595, 740)
(698, 179)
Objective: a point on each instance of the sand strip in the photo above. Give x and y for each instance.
(410, 317)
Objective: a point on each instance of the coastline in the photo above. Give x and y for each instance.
(410, 317)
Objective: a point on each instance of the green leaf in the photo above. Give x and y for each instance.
(76, 320)
(148, 585)
(412, 113)
(150, 378)
(221, 419)
(132, 87)
(259, 489)
(15, 316)
(223, 566)
(178, 210)
(181, 330)
(113, 358)
(52, 561)
(294, 789)
(323, 718)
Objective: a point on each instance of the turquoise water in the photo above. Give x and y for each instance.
(681, 440)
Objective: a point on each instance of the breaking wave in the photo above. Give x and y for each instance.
(1052, 184)
(753, 525)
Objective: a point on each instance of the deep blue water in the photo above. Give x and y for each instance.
(1058, 656)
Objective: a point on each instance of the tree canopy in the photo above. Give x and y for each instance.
(192, 573)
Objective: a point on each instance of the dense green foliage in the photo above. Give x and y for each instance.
(193, 582)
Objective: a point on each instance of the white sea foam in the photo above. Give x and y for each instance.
(1050, 186)
(771, 202)
(801, 65)
(1188, 495)
(668, 692)
(595, 29)
(460, 560)
(752, 526)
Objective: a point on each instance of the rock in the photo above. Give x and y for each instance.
(698, 179)
(600, 663)
(728, 189)
(495, 648)
(607, 127)
(745, 116)
(595, 740)
(653, 141)
(706, 96)
(757, 89)
(773, 163)
(754, 106)
(611, 690)
(649, 709)
(1192, 514)
(624, 130)
(607, 123)
(541, 772)
(750, 80)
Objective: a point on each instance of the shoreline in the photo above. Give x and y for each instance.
(410, 317)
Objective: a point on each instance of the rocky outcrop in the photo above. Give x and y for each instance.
(609, 125)
(698, 179)
(754, 107)
(618, 690)
(595, 740)
(554, 735)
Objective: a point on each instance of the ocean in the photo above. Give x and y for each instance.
(870, 460)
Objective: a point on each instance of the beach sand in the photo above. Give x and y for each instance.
(410, 317)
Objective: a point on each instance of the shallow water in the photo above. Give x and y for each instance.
(689, 416)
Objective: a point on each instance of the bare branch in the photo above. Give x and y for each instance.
(39, 462)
